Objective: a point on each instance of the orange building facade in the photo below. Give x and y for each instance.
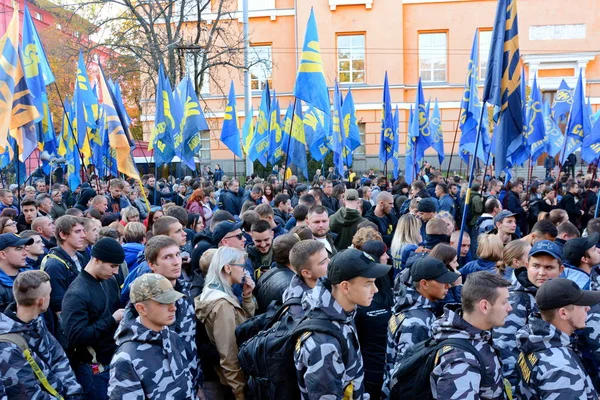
(362, 39)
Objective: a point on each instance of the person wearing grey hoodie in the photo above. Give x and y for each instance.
(344, 222)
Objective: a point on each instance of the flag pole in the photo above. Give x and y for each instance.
(234, 167)
(72, 132)
(18, 173)
(155, 179)
(287, 152)
(468, 194)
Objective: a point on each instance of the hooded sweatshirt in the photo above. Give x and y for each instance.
(17, 379)
(522, 300)
(221, 313)
(558, 371)
(415, 315)
(6, 293)
(458, 373)
(149, 365)
(344, 222)
(322, 372)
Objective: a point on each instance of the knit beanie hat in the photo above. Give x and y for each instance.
(108, 250)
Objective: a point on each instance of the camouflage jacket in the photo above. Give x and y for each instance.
(410, 324)
(17, 379)
(184, 326)
(549, 365)
(149, 365)
(321, 371)
(522, 301)
(296, 290)
(458, 374)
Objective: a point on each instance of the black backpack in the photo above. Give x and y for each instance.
(411, 379)
(267, 359)
(249, 328)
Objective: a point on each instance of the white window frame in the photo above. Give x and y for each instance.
(263, 71)
(355, 53)
(433, 52)
(484, 52)
(37, 15)
(204, 152)
(360, 151)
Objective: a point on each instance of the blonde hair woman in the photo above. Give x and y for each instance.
(489, 251)
(220, 311)
(407, 238)
(515, 256)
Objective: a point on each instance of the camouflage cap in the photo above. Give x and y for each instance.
(153, 287)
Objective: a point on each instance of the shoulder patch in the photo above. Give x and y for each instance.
(441, 352)
(526, 363)
(395, 322)
(301, 339)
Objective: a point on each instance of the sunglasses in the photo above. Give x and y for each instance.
(239, 236)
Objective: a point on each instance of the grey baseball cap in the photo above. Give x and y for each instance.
(153, 287)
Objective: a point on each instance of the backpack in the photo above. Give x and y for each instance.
(249, 328)
(267, 359)
(469, 215)
(411, 378)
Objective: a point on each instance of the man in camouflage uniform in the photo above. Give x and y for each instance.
(150, 362)
(457, 374)
(24, 321)
(164, 258)
(414, 311)
(549, 365)
(322, 371)
(544, 263)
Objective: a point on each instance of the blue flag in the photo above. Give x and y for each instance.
(310, 82)
(502, 85)
(419, 129)
(316, 130)
(350, 127)
(260, 142)
(471, 110)
(275, 136)
(248, 131)
(297, 139)
(579, 122)
(437, 134)
(386, 140)
(177, 112)
(338, 136)
(556, 139)
(396, 156)
(230, 133)
(165, 126)
(535, 134)
(411, 168)
(192, 122)
(563, 101)
(87, 115)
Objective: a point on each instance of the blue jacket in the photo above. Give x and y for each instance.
(477, 265)
(231, 202)
(577, 275)
(132, 251)
(447, 204)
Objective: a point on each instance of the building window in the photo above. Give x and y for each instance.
(255, 5)
(76, 34)
(360, 150)
(59, 27)
(485, 41)
(38, 16)
(261, 66)
(351, 58)
(433, 56)
(193, 62)
(204, 146)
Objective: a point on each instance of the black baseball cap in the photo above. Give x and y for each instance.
(574, 249)
(12, 240)
(561, 292)
(430, 268)
(223, 228)
(352, 263)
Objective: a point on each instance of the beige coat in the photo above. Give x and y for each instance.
(221, 314)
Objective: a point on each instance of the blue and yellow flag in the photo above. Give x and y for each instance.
(590, 150)
(563, 101)
(387, 139)
(556, 140)
(87, 115)
(471, 110)
(165, 126)
(396, 155)
(115, 132)
(338, 136)
(67, 144)
(17, 109)
(276, 149)
(193, 122)
(535, 133)
(437, 133)
(411, 167)
(310, 82)
(350, 127)
(502, 85)
(248, 131)
(316, 130)
(419, 129)
(260, 142)
(177, 112)
(297, 139)
(579, 122)
(230, 133)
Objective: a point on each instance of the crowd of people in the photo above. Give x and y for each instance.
(345, 287)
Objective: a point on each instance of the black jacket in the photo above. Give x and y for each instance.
(513, 204)
(271, 285)
(231, 202)
(87, 319)
(150, 192)
(63, 271)
(386, 225)
(569, 204)
(280, 217)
